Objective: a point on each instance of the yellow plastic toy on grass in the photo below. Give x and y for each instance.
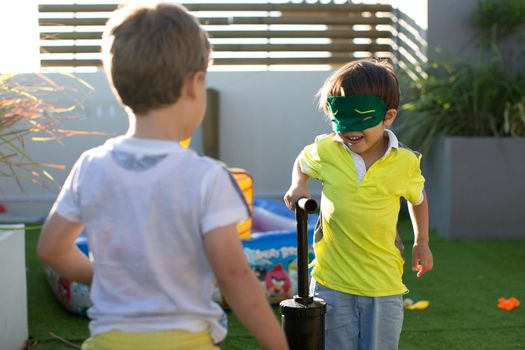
(245, 182)
(420, 305)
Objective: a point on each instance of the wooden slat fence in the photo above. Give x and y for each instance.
(410, 46)
(241, 34)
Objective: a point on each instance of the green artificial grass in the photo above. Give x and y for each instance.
(463, 289)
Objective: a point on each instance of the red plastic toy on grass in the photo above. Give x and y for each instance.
(508, 304)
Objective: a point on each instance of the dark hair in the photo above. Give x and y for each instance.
(150, 50)
(362, 77)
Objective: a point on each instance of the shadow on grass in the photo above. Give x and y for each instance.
(463, 288)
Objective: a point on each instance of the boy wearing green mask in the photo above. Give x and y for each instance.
(364, 171)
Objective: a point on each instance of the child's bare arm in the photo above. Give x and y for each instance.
(298, 188)
(57, 249)
(422, 260)
(240, 287)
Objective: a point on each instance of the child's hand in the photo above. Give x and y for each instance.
(422, 260)
(293, 194)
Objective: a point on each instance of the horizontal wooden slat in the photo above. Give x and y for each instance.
(304, 7)
(302, 47)
(71, 36)
(70, 49)
(233, 7)
(290, 20)
(245, 48)
(330, 34)
(249, 34)
(72, 21)
(326, 20)
(70, 63)
(287, 61)
(223, 61)
(46, 8)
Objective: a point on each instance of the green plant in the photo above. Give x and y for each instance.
(465, 98)
(497, 19)
(514, 118)
(26, 115)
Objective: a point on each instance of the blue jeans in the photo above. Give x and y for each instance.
(355, 322)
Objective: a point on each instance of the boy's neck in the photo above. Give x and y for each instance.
(163, 124)
(375, 153)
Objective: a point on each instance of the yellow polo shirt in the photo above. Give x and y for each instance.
(356, 253)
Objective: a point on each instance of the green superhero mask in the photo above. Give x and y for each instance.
(356, 112)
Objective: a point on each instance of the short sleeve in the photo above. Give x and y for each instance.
(415, 184)
(222, 200)
(67, 204)
(310, 162)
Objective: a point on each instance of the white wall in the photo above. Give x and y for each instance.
(450, 29)
(265, 120)
(13, 293)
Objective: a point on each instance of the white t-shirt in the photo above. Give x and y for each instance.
(146, 205)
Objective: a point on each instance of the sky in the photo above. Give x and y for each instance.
(19, 36)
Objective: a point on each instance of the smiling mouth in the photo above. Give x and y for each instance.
(353, 139)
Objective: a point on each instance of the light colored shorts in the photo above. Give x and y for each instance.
(354, 322)
(163, 340)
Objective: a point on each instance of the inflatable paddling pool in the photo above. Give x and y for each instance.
(271, 251)
(272, 248)
(72, 295)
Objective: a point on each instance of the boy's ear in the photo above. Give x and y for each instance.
(194, 83)
(390, 116)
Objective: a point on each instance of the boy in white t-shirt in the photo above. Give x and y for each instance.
(160, 219)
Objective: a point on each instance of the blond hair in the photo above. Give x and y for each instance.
(149, 50)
